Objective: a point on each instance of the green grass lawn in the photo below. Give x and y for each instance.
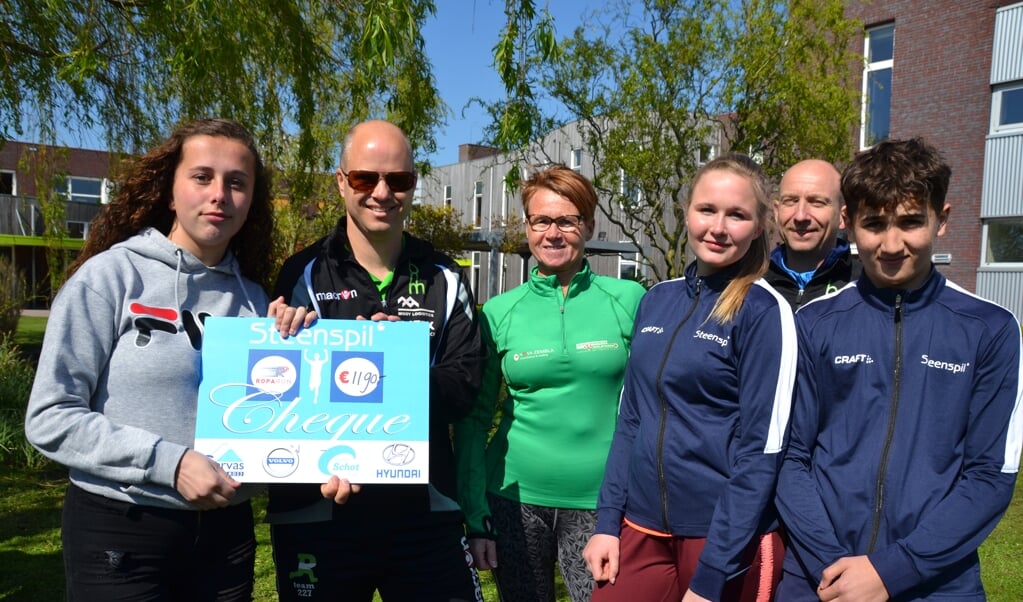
(30, 502)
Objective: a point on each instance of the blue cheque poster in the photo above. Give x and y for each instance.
(343, 397)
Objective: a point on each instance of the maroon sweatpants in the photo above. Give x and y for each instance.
(658, 569)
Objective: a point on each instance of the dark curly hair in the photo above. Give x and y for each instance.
(145, 195)
(893, 172)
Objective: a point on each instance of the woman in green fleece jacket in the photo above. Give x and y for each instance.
(560, 341)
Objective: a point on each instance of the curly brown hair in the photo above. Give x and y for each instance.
(144, 198)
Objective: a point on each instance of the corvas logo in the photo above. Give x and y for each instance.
(281, 462)
(337, 460)
(358, 377)
(407, 302)
(399, 454)
(275, 373)
(232, 463)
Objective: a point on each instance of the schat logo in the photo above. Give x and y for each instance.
(338, 460)
(859, 358)
(953, 367)
(407, 302)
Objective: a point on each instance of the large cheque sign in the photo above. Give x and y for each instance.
(344, 397)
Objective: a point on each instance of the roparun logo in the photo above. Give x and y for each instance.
(280, 463)
(274, 374)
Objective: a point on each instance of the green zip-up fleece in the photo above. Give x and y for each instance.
(563, 358)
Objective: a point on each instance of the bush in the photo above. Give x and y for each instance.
(16, 375)
(13, 296)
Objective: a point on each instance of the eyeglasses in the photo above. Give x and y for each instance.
(565, 223)
(365, 181)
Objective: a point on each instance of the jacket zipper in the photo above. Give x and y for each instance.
(664, 409)
(561, 308)
(879, 491)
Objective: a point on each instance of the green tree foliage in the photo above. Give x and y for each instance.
(655, 85)
(296, 72)
(442, 226)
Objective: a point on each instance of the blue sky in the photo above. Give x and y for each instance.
(460, 41)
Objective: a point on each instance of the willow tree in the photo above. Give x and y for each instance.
(298, 73)
(656, 86)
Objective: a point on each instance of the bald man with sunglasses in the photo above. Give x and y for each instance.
(340, 541)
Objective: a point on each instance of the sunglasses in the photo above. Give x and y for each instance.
(365, 181)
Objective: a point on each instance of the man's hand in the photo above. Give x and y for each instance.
(852, 579)
(338, 489)
(380, 317)
(484, 553)
(203, 482)
(601, 556)
(289, 319)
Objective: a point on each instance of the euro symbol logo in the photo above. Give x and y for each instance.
(398, 454)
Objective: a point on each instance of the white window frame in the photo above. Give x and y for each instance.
(84, 226)
(870, 66)
(14, 180)
(985, 250)
(712, 151)
(474, 280)
(631, 259)
(101, 199)
(477, 205)
(996, 108)
(447, 195)
(575, 159)
(633, 191)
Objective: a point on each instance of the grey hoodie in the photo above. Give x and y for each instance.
(115, 391)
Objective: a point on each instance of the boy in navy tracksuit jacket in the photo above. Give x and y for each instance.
(906, 427)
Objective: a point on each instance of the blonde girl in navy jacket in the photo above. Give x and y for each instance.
(685, 507)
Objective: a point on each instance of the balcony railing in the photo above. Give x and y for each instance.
(22, 216)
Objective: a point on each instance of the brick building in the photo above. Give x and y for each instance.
(951, 71)
(81, 177)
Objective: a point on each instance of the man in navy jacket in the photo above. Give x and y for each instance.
(906, 427)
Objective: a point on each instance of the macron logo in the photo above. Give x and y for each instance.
(859, 358)
(337, 295)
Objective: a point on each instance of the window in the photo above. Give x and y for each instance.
(1003, 241)
(631, 194)
(77, 229)
(506, 194)
(417, 194)
(705, 153)
(576, 159)
(7, 183)
(476, 259)
(878, 51)
(477, 218)
(447, 195)
(1007, 109)
(88, 190)
(630, 265)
